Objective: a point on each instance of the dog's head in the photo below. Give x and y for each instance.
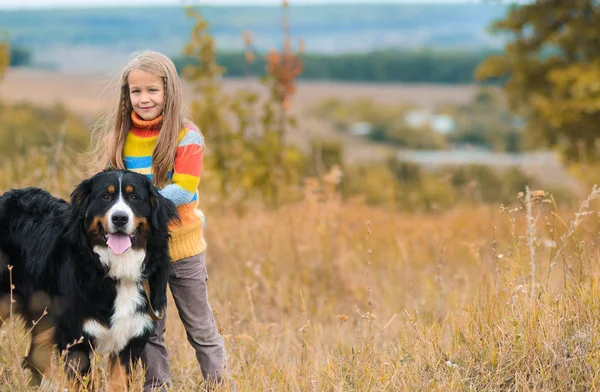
(121, 210)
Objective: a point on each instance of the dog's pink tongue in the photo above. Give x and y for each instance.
(118, 243)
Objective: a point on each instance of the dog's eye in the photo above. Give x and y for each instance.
(134, 197)
(106, 197)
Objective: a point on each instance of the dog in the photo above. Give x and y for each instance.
(90, 274)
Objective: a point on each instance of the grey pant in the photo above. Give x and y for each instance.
(188, 286)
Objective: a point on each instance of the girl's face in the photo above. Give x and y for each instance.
(147, 94)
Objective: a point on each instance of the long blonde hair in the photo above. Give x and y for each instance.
(109, 140)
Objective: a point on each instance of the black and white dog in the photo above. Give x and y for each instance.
(92, 273)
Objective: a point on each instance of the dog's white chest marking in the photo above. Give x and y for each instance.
(124, 266)
(126, 322)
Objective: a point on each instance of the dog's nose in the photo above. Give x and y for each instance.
(120, 219)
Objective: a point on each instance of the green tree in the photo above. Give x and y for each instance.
(552, 66)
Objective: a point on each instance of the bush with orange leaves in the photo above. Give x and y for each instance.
(247, 157)
(283, 68)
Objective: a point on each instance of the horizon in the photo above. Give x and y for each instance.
(61, 4)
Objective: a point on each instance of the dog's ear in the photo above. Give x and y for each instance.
(80, 201)
(163, 210)
(80, 198)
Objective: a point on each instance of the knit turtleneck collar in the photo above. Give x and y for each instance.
(150, 125)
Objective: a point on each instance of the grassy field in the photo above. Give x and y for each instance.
(329, 296)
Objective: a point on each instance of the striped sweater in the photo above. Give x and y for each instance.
(187, 238)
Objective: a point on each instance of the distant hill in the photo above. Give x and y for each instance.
(100, 39)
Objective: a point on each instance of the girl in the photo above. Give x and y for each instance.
(148, 133)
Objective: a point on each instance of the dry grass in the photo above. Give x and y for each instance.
(331, 296)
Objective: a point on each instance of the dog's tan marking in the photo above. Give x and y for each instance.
(129, 189)
(39, 358)
(142, 223)
(97, 223)
(117, 379)
(143, 231)
(111, 189)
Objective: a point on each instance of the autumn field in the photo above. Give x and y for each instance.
(325, 295)
(332, 294)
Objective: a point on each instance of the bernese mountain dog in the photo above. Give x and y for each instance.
(91, 274)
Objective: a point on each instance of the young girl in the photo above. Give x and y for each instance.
(148, 133)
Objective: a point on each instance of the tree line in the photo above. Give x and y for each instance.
(19, 56)
(387, 66)
(400, 66)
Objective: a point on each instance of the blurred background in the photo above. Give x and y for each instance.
(389, 185)
(418, 104)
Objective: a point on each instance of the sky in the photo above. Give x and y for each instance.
(11, 4)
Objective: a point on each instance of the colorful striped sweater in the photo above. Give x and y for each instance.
(187, 238)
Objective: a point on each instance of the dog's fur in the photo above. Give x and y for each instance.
(61, 263)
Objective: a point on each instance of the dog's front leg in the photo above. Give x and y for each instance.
(158, 280)
(76, 349)
(122, 366)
